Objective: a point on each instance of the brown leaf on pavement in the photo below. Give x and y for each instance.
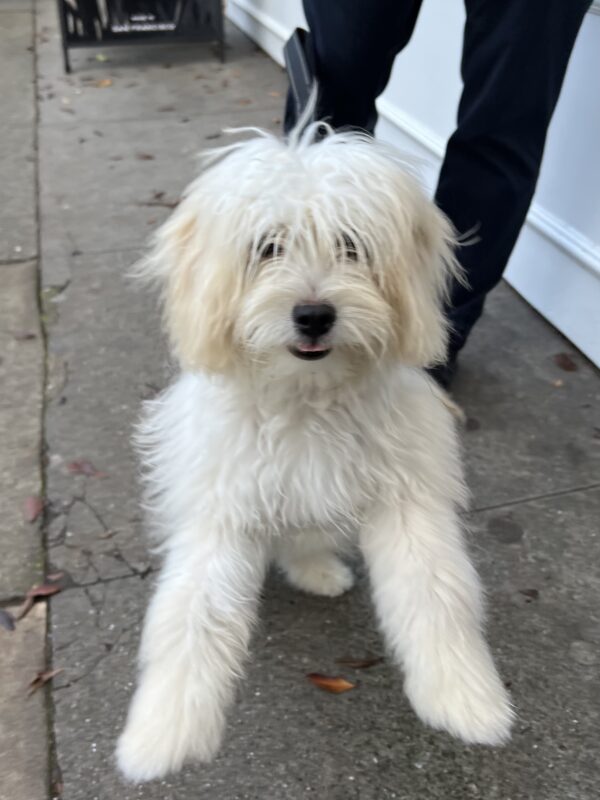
(360, 663)
(162, 203)
(32, 507)
(530, 594)
(7, 620)
(144, 156)
(42, 678)
(103, 83)
(330, 683)
(84, 467)
(51, 586)
(565, 362)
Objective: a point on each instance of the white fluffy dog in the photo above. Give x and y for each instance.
(302, 290)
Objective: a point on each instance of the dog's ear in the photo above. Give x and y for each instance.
(200, 285)
(416, 278)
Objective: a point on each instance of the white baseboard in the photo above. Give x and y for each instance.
(554, 266)
(260, 27)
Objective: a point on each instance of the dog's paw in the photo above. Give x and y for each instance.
(159, 737)
(472, 706)
(325, 575)
(141, 759)
(144, 754)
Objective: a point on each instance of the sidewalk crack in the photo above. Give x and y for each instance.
(546, 496)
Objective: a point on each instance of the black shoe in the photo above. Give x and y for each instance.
(443, 374)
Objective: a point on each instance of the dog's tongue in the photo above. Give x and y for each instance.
(311, 348)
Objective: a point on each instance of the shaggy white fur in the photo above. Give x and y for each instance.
(278, 443)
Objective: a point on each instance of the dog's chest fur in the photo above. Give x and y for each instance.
(293, 460)
(316, 464)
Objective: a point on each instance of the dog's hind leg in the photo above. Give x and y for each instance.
(194, 643)
(429, 604)
(310, 562)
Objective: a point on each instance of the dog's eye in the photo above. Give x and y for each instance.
(347, 247)
(269, 249)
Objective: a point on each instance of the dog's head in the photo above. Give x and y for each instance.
(304, 256)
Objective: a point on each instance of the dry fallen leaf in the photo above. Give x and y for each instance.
(330, 683)
(144, 156)
(42, 678)
(243, 101)
(7, 620)
(529, 594)
(103, 83)
(51, 586)
(360, 663)
(160, 202)
(274, 94)
(565, 362)
(33, 507)
(85, 468)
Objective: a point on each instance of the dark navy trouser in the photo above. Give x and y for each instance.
(515, 54)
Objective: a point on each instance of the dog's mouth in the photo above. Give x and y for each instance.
(309, 352)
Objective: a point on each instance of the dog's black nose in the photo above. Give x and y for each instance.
(313, 319)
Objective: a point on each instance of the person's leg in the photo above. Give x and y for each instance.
(354, 43)
(515, 55)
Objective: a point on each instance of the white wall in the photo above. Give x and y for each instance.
(556, 263)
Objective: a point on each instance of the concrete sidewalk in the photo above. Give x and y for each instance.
(110, 148)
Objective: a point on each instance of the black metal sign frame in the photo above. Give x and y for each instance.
(93, 23)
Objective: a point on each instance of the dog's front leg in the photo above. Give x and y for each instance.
(428, 600)
(193, 646)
